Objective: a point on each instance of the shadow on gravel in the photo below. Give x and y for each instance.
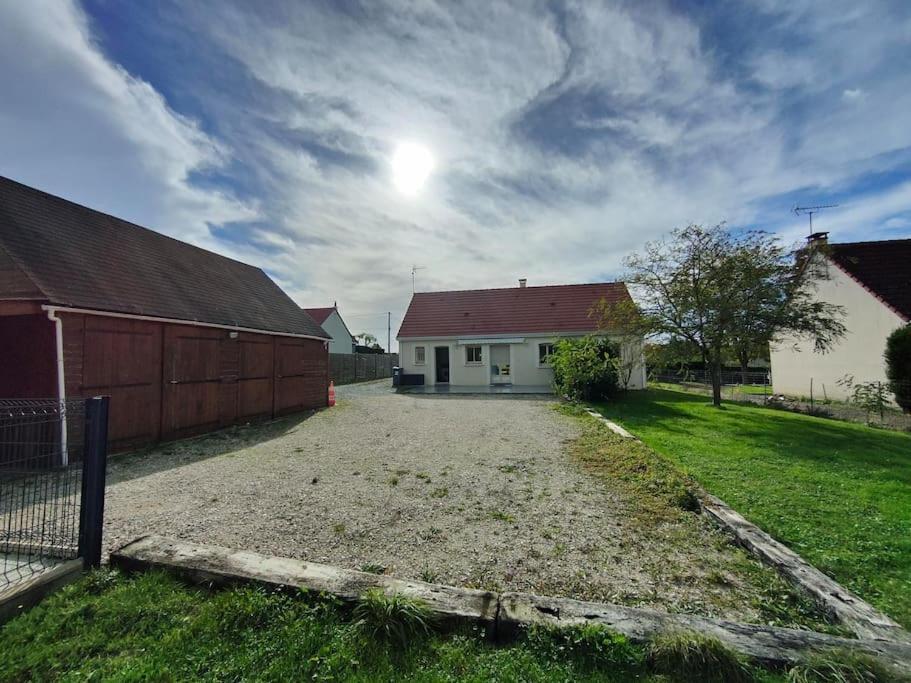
(166, 456)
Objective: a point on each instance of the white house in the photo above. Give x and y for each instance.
(330, 320)
(872, 282)
(502, 336)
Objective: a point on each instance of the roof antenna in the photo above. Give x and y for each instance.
(810, 210)
(415, 269)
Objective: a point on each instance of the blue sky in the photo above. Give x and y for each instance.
(564, 135)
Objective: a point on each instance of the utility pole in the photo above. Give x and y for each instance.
(389, 332)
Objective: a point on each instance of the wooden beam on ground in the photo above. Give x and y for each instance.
(503, 615)
(864, 620)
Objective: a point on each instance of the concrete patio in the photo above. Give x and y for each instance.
(483, 390)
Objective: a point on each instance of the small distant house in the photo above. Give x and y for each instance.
(502, 336)
(872, 282)
(183, 340)
(331, 321)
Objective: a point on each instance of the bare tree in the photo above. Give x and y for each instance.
(719, 290)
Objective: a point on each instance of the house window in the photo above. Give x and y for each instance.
(418, 355)
(544, 353)
(473, 355)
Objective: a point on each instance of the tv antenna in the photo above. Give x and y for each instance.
(415, 269)
(810, 210)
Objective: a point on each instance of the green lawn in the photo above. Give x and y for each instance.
(837, 493)
(152, 628)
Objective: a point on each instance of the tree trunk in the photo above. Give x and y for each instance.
(716, 381)
(744, 367)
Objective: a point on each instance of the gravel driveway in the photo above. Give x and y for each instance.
(467, 491)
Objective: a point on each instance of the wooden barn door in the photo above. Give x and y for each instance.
(301, 374)
(120, 358)
(192, 377)
(254, 382)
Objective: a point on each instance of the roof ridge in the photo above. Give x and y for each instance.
(126, 221)
(501, 289)
(851, 244)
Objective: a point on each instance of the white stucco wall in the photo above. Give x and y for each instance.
(341, 337)
(860, 353)
(524, 367)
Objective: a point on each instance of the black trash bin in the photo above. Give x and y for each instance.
(396, 376)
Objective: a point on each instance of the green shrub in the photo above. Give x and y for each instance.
(898, 365)
(586, 368)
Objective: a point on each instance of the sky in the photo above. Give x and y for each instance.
(561, 136)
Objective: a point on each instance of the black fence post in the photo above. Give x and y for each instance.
(94, 465)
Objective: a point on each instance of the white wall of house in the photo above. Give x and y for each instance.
(525, 369)
(860, 353)
(341, 337)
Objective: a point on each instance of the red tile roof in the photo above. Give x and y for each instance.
(320, 314)
(65, 254)
(514, 310)
(883, 268)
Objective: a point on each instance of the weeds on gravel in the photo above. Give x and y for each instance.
(440, 492)
(393, 481)
(373, 568)
(393, 617)
(501, 516)
(659, 486)
(338, 528)
(428, 575)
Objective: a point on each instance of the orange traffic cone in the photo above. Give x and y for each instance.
(331, 394)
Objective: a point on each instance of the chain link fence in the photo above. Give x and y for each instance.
(865, 402)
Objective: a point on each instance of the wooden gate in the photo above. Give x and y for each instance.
(191, 380)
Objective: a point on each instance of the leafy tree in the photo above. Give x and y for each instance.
(898, 366)
(586, 368)
(717, 289)
(366, 338)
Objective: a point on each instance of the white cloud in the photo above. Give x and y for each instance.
(74, 123)
(641, 126)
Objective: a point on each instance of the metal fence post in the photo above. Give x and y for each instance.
(94, 465)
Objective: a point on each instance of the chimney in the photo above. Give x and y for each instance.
(818, 238)
(522, 282)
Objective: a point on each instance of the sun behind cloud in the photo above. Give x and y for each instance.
(412, 163)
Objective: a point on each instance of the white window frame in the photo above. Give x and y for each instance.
(468, 349)
(545, 363)
(423, 359)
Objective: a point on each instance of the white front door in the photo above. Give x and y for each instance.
(500, 370)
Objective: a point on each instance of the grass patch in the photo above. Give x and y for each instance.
(665, 496)
(837, 493)
(695, 657)
(151, 627)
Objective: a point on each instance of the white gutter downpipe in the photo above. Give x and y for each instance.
(61, 384)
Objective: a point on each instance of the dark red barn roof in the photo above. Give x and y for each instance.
(883, 268)
(514, 310)
(58, 252)
(320, 314)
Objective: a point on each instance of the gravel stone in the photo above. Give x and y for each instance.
(465, 491)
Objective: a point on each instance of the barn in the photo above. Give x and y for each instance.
(183, 340)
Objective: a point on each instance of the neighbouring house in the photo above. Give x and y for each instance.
(502, 336)
(872, 282)
(331, 321)
(183, 340)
